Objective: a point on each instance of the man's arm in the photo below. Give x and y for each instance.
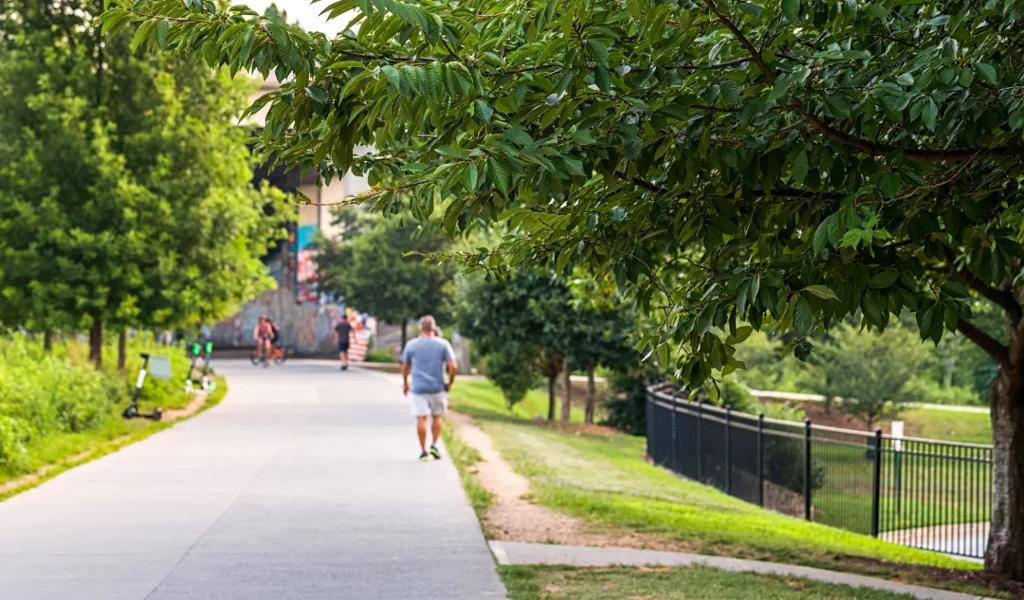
(406, 368)
(453, 368)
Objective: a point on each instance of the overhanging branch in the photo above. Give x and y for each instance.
(984, 341)
(865, 146)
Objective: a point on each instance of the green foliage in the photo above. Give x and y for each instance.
(46, 396)
(510, 368)
(870, 372)
(382, 266)
(126, 185)
(822, 173)
(625, 406)
(380, 356)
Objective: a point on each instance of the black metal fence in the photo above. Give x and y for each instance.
(924, 494)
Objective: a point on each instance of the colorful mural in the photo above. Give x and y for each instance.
(306, 327)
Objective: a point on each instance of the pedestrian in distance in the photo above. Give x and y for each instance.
(344, 330)
(425, 360)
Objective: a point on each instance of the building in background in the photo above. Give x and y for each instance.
(304, 314)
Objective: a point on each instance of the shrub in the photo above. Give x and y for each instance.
(380, 356)
(512, 371)
(14, 434)
(931, 392)
(626, 404)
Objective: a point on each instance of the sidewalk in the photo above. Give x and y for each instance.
(302, 483)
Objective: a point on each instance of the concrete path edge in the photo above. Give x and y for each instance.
(521, 553)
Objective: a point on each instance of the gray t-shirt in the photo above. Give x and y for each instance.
(428, 357)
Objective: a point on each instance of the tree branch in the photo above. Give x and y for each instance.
(866, 146)
(876, 149)
(1001, 298)
(986, 342)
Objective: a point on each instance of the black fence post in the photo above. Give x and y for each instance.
(675, 451)
(760, 459)
(807, 469)
(700, 457)
(876, 484)
(728, 450)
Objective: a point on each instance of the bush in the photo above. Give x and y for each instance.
(512, 371)
(46, 394)
(14, 434)
(380, 356)
(931, 392)
(626, 404)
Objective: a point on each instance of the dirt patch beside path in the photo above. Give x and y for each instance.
(513, 518)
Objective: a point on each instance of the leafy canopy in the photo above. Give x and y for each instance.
(781, 163)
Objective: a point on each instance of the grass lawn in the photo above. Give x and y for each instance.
(605, 478)
(689, 583)
(938, 424)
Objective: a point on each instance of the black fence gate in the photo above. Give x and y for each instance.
(925, 494)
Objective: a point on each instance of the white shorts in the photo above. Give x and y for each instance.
(428, 404)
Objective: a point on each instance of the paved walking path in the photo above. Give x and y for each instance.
(519, 553)
(303, 483)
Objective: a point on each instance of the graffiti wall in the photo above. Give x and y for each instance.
(307, 327)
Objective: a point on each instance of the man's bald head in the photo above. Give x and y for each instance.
(427, 325)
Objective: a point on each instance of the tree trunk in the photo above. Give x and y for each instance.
(404, 336)
(567, 393)
(588, 411)
(122, 348)
(552, 378)
(47, 340)
(1005, 552)
(96, 342)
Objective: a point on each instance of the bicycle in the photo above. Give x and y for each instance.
(278, 354)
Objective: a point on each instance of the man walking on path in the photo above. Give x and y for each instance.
(426, 358)
(343, 329)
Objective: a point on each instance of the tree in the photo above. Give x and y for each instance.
(870, 372)
(786, 164)
(528, 311)
(130, 196)
(509, 367)
(603, 332)
(383, 270)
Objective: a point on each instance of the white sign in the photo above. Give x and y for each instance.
(160, 367)
(897, 435)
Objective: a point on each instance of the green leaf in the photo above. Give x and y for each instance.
(820, 239)
(599, 52)
(470, 177)
(929, 113)
(602, 79)
(317, 94)
(821, 291)
(517, 135)
(988, 73)
(883, 279)
(800, 167)
(482, 111)
(803, 316)
(791, 9)
(394, 77)
(161, 33)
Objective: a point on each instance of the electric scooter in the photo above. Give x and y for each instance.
(205, 381)
(132, 412)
